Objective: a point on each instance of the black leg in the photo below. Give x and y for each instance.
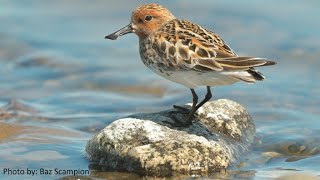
(193, 108)
(206, 98)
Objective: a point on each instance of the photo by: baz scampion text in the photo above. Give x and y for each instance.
(44, 171)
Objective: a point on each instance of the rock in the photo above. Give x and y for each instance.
(154, 144)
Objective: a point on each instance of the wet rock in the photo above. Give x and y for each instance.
(155, 144)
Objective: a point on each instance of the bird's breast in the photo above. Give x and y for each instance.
(150, 57)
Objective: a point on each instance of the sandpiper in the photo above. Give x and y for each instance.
(187, 53)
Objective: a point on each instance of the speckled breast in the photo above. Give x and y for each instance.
(150, 57)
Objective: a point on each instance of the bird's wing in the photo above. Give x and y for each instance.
(188, 46)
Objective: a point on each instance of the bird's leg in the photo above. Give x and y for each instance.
(182, 109)
(193, 108)
(206, 98)
(185, 110)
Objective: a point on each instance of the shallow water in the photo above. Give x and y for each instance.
(61, 82)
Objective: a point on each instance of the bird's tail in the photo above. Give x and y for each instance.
(242, 68)
(242, 63)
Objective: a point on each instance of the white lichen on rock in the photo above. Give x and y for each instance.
(152, 144)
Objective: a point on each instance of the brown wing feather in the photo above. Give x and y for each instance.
(186, 46)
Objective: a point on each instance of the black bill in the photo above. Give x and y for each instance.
(123, 31)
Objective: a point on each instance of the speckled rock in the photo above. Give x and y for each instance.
(155, 144)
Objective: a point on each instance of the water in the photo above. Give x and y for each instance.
(61, 82)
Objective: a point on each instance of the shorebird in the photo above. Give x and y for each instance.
(187, 53)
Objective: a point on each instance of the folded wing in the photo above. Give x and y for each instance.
(187, 46)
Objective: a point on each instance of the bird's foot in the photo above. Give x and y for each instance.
(179, 122)
(181, 108)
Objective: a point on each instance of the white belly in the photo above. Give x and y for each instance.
(193, 79)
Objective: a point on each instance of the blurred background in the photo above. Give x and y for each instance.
(61, 81)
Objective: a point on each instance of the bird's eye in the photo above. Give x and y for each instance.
(148, 18)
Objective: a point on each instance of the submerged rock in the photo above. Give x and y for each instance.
(155, 144)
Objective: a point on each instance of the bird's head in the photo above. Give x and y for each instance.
(144, 21)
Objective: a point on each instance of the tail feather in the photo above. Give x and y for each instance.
(248, 76)
(256, 74)
(243, 63)
(239, 68)
(247, 79)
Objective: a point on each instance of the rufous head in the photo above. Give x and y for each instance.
(144, 21)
